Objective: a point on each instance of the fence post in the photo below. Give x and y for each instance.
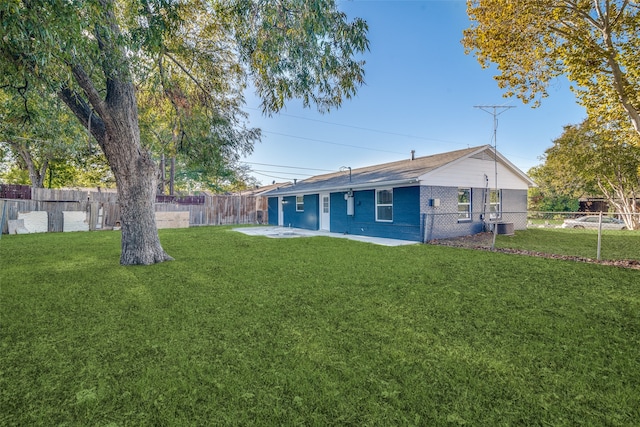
(599, 236)
(4, 211)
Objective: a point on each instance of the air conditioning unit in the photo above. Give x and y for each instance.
(505, 228)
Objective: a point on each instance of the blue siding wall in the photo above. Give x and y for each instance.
(308, 219)
(406, 215)
(272, 210)
(338, 215)
(413, 218)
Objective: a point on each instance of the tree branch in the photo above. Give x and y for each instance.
(85, 82)
(620, 84)
(82, 111)
(572, 7)
(193, 79)
(625, 3)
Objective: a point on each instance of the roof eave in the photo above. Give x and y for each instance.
(292, 191)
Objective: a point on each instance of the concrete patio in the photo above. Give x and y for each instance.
(287, 232)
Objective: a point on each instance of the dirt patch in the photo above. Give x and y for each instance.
(483, 241)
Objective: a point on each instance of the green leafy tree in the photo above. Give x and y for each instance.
(37, 135)
(203, 150)
(230, 178)
(595, 43)
(587, 160)
(548, 198)
(99, 56)
(67, 172)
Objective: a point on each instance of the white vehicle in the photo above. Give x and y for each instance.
(591, 221)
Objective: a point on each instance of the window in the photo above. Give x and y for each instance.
(299, 203)
(384, 205)
(495, 197)
(325, 204)
(464, 204)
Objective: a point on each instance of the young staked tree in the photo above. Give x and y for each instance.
(99, 55)
(594, 43)
(588, 160)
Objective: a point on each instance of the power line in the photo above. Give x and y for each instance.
(292, 174)
(364, 128)
(271, 176)
(289, 167)
(332, 143)
(377, 130)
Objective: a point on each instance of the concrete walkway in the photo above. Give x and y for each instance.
(286, 232)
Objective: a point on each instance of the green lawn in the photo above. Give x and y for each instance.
(244, 330)
(615, 244)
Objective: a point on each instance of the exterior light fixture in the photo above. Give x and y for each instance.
(344, 168)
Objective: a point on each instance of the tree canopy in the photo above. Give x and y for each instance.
(102, 57)
(587, 160)
(595, 43)
(44, 144)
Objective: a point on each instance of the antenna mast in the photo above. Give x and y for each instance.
(495, 111)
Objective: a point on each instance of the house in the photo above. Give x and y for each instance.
(419, 199)
(258, 193)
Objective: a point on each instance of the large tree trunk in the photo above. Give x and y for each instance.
(115, 126)
(136, 196)
(135, 173)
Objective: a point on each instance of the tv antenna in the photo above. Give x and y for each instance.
(495, 111)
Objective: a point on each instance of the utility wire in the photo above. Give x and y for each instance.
(363, 128)
(378, 130)
(272, 176)
(289, 167)
(332, 143)
(292, 174)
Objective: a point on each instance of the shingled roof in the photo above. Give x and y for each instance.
(402, 172)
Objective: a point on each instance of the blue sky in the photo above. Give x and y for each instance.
(420, 94)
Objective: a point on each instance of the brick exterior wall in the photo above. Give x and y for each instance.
(441, 222)
(514, 208)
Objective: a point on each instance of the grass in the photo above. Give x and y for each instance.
(545, 222)
(246, 330)
(615, 244)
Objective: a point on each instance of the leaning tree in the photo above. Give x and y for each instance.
(99, 56)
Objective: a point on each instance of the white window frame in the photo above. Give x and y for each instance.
(495, 208)
(467, 217)
(299, 203)
(379, 205)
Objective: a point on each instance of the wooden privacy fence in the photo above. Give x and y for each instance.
(49, 195)
(103, 212)
(8, 191)
(222, 209)
(98, 215)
